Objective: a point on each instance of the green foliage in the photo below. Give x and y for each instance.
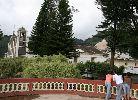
(4, 45)
(78, 41)
(52, 32)
(120, 70)
(50, 66)
(10, 67)
(44, 29)
(98, 70)
(133, 51)
(90, 41)
(94, 40)
(1, 34)
(129, 41)
(55, 66)
(81, 67)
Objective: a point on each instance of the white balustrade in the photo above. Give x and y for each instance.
(80, 87)
(14, 87)
(48, 86)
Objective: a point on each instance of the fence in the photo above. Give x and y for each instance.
(92, 88)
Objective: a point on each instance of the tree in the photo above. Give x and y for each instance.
(44, 29)
(4, 45)
(1, 34)
(117, 14)
(65, 42)
(132, 49)
(52, 33)
(129, 43)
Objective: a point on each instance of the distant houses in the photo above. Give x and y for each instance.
(89, 53)
(100, 53)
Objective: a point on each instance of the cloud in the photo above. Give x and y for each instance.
(20, 13)
(87, 19)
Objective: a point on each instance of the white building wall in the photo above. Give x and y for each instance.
(126, 63)
(85, 57)
(130, 65)
(100, 59)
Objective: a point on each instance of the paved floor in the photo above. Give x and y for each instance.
(51, 97)
(64, 97)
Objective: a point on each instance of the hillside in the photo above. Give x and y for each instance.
(90, 41)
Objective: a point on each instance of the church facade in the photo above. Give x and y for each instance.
(18, 45)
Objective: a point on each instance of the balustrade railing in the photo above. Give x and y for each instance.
(96, 88)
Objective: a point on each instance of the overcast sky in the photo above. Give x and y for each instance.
(17, 13)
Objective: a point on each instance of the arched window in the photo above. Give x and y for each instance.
(126, 63)
(135, 64)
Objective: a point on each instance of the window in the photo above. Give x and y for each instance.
(92, 59)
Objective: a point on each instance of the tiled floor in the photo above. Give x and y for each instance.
(51, 97)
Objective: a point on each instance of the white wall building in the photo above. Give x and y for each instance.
(89, 53)
(18, 44)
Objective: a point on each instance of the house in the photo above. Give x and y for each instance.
(130, 65)
(88, 53)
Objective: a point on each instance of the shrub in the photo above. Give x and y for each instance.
(50, 66)
(119, 70)
(9, 67)
(97, 70)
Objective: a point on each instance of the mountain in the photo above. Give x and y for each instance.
(93, 41)
(79, 41)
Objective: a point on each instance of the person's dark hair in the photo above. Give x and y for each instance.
(128, 74)
(110, 72)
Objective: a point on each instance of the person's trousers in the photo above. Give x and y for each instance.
(108, 90)
(119, 91)
(126, 88)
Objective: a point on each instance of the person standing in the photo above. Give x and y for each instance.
(119, 82)
(126, 86)
(108, 81)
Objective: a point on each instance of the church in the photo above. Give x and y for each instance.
(18, 45)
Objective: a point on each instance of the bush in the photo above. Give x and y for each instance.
(40, 67)
(97, 70)
(119, 70)
(10, 67)
(55, 66)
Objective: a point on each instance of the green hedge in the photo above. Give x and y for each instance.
(50, 66)
(55, 66)
(10, 67)
(97, 70)
(38, 67)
